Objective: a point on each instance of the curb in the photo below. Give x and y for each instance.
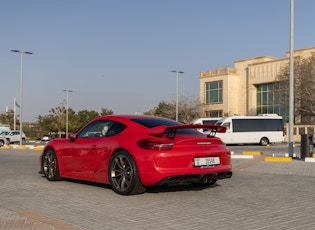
(277, 159)
(252, 153)
(242, 156)
(310, 159)
(23, 147)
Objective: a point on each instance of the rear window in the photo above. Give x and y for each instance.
(150, 122)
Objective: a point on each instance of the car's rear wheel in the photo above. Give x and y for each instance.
(50, 165)
(1, 142)
(123, 174)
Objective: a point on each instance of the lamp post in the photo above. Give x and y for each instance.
(291, 81)
(14, 114)
(21, 89)
(67, 108)
(177, 72)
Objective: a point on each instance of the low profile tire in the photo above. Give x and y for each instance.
(1, 142)
(264, 141)
(123, 174)
(50, 165)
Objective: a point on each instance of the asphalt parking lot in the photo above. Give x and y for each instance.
(260, 195)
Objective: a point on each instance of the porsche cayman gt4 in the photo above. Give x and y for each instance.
(133, 152)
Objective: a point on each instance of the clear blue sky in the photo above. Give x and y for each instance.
(118, 54)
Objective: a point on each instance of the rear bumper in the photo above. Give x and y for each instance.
(194, 178)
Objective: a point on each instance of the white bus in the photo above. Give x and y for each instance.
(264, 129)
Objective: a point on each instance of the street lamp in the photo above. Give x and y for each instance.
(21, 89)
(177, 72)
(67, 108)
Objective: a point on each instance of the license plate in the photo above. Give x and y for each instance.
(206, 161)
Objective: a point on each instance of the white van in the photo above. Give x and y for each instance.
(263, 129)
(205, 121)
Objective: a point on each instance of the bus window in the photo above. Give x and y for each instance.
(227, 125)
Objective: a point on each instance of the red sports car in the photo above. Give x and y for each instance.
(131, 152)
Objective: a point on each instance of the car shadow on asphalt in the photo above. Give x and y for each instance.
(95, 184)
(179, 188)
(152, 189)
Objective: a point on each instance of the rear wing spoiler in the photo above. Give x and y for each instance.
(213, 128)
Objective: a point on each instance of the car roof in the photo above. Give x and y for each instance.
(127, 117)
(128, 120)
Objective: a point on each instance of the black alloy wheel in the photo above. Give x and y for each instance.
(50, 165)
(123, 174)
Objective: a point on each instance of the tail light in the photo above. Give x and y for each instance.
(155, 145)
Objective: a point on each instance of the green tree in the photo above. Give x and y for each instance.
(84, 116)
(105, 112)
(8, 118)
(163, 109)
(55, 121)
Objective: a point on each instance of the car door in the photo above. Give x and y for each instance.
(82, 156)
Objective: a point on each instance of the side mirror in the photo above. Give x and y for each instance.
(72, 136)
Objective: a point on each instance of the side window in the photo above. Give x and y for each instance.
(96, 129)
(115, 128)
(227, 125)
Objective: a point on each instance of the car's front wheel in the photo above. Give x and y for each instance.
(123, 174)
(1, 142)
(50, 165)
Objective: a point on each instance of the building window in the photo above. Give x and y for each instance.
(213, 92)
(214, 113)
(269, 100)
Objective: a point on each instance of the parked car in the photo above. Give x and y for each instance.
(46, 138)
(4, 133)
(131, 153)
(14, 137)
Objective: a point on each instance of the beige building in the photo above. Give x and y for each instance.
(247, 89)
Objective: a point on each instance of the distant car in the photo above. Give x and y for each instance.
(131, 153)
(3, 133)
(46, 138)
(14, 137)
